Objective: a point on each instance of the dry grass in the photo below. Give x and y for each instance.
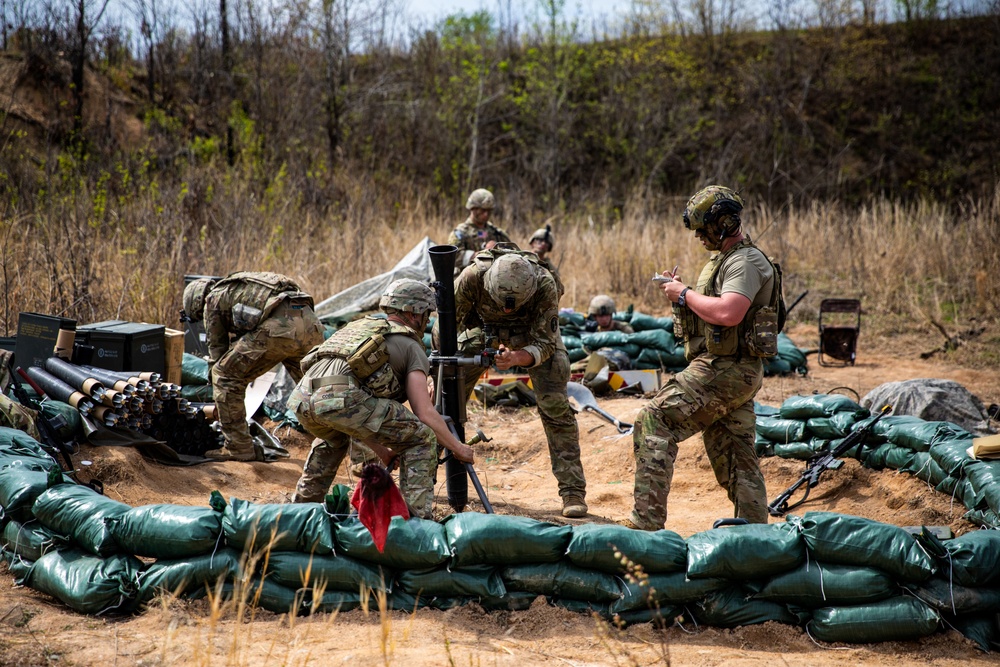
(90, 255)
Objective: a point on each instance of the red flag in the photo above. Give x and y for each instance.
(378, 500)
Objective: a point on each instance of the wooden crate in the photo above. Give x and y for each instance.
(173, 347)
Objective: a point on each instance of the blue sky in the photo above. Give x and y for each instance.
(585, 10)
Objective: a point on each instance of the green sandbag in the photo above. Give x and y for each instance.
(641, 322)
(740, 553)
(985, 480)
(31, 540)
(821, 585)
(762, 446)
(665, 590)
(660, 618)
(922, 435)
(875, 456)
(780, 430)
(17, 567)
(982, 630)
(572, 342)
(86, 583)
(730, 608)
(952, 455)
(922, 466)
(72, 424)
(655, 339)
(198, 393)
(880, 431)
(194, 370)
(577, 354)
(790, 353)
(580, 606)
(852, 540)
(986, 518)
(802, 451)
(966, 494)
(896, 619)
(403, 601)
(974, 558)
(571, 318)
(268, 595)
(837, 425)
(21, 486)
(79, 512)
(301, 527)
(167, 531)
(334, 573)
(412, 544)
(333, 601)
(593, 546)
(497, 539)
(17, 444)
(474, 580)
(898, 458)
(599, 339)
(763, 410)
(562, 580)
(947, 597)
(513, 601)
(777, 366)
(818, 405)
(184, 575)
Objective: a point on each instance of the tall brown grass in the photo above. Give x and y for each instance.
(92, 255)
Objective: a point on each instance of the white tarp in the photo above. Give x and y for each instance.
(365, 295)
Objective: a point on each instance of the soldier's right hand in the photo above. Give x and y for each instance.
(464, 453)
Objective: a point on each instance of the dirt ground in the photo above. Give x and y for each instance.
(514, 467)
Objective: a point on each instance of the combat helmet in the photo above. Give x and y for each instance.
(602, 304)
(543, 234)
(711, 205)
(510, 281)
(409, 296)
(194, 297)
(480, 199)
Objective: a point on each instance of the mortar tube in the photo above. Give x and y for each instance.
(110, 380)
(56, 388)
(76, 376)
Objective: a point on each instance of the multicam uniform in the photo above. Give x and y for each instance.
(714, 395)
(470, 239)
(551, 268)
(334, 406)
(273, 322)
(533, 328)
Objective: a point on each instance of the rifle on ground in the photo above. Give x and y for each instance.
(48, 427)
(816, 466)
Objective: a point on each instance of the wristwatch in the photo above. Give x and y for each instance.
(681, 301)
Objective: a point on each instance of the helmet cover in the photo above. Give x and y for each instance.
(194, 297)
(602, 304)
(712, 205)
(409, 296)
(480, 199)
(510, 281)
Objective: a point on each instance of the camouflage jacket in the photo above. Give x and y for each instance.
(240, 301)
(468, 237)
(551, 268)
(534, 327)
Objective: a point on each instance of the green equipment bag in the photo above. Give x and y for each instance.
(31, 540)
(816, 584)
(79, 512)
(255, 527)
(741, 553)
(852, 540)
(896, 619)
(86, 583)
(472, 581)
(167, 531)
(411, 544)
(664, 590)
(185, 575)
(496, 539)
(594, 546)
(333, 573)
(194, 371)
(563, 580)
(730, 608)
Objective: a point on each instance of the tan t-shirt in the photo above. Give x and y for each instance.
(746, 271)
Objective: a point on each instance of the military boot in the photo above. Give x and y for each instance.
(574, 507)
(224, 453)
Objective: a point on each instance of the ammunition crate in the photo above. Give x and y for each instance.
(126, 346)
(36, 337)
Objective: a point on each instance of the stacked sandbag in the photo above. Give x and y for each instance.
(653, 345)
(805, 426)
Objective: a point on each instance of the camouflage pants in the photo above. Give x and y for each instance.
(336, 413)
(548, 380)
(713, 395)
(284, 338)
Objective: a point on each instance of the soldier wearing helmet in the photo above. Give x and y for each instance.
(541, 244)
(477, 232)
(509, 302)
(600, 316)
(253, 321)
(721, 320)
(355, 385)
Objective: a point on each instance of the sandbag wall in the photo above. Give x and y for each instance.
(653, 344)
(934, 451)
(842, 578)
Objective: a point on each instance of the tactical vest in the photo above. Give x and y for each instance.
(260, 292)
(362, 345)
(755, 336)
(511, 329)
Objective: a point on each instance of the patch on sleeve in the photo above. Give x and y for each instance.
(554, 323)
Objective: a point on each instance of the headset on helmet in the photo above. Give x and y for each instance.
(409, 296)
(480, 198)
(543, 234)
(194, 297)
(711, 205)
(602, 304)
(510, 281)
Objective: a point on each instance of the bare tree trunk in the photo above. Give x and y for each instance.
(227, 69)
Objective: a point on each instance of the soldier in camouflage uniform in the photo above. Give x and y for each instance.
(12, 413)
(601, 314)
(715, 393)
(355, 384)
(253, 321)
(511, 303)
(541, 244)
(477, 232)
